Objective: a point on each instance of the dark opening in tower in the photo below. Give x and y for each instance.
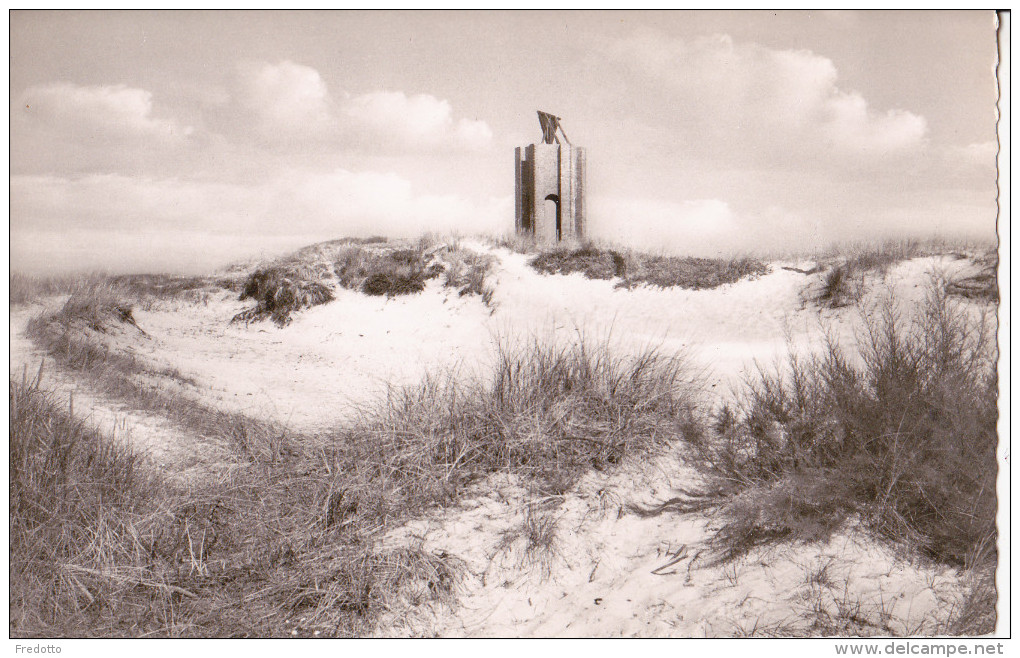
(552, 213)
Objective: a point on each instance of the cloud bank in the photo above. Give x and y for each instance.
(293, 208)
(776, 104)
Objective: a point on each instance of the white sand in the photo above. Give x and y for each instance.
(334, 358)
(605, 578)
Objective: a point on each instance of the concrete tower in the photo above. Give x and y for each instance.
(550, 186)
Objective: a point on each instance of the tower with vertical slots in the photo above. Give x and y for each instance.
(549, 203)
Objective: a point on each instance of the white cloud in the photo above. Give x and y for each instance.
(770, 101)
(289, 101)
(105, 113)
(413, 118)
(421, 120)
(853, 127)
(981, 154)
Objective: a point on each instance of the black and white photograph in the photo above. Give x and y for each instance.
(337, 324)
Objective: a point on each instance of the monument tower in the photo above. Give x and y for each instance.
(550, 186)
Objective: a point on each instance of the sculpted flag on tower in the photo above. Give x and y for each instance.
(549, 125)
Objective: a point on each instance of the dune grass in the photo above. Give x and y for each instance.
(635, 268)
(848, 265)
(548, 414)
(102, 545)
(26, 289)
(76, 501)
(903, 439)
(467, 272)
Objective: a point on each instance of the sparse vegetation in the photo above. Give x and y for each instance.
(896, 434)
(373, 267)
(25, 289)
(535, 536)
(515, 242)
(467, 272)
(848, 266)
(878, 257)
(636, 268)
(982, 285)
(904, 440)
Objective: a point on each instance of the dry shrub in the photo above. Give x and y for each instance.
(905, 440)
(842, 286)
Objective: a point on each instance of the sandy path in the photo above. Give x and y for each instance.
(186, 458)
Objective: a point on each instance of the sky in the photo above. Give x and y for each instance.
(185, 141)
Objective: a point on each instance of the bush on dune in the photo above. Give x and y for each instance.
(97, 304)
(279, 292)
(390, 272)
(374, 268)
(905, 440)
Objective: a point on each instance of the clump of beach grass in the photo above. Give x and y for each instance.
(548, 414)
(902, 439)
(467, 271)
